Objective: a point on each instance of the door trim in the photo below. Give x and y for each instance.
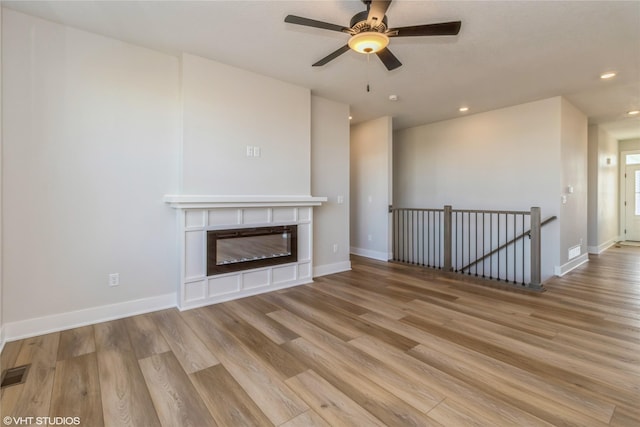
(622, 168)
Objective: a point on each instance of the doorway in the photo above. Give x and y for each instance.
(630, 196)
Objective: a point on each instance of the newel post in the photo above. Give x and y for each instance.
(536, 253)
(447, 238)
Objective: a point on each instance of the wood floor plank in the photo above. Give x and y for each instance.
(112, 336)
(390, 403)
(504, 375)
(33, 398)
(174, 396)
(260, 381)
(146, 339)
(527, 356)
(330, 403)
(516, 335)
(8, 360)
(452, 413)
(76, 342)
(322, 319)
(625, 416)
(76, 390)
(476, 399)
(309, 418)
(378, 390)
(192, 353)
(404, 344)
(259, 320)
(227, 401)
(540, 405)
(270, 352)
(365, 298)
(125, 398)
(10, 354)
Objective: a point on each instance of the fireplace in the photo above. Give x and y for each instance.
(246, 248)
(205, 278)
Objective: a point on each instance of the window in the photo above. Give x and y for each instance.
(633, 159)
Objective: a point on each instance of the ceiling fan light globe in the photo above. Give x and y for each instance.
(368, 42)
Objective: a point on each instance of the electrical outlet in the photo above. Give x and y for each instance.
(249, 151)
(370, 237)
(256, 151)
(335, 248)
(114, 279)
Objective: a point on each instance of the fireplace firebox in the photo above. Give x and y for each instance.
(247, 248)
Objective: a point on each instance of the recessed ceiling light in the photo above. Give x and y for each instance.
(463, 109)
(633, 112)
(350, 117)
(607, 75)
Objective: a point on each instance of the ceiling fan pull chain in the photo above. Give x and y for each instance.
(368, 62)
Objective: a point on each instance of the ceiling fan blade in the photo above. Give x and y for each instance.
(298, 20)
(440, 29)
(332, 56)
(388, 59)
(377, 10)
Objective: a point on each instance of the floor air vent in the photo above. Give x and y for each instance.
(13, 376)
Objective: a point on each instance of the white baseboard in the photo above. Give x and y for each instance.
(73, 319)
(597, 250)
(379, 255)
(338, 267)
(574, 263)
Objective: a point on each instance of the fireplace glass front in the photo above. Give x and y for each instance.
(247, 248)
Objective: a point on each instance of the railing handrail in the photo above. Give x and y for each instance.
(391, 209)
(486, 211)
(426, 237)
(504, 245)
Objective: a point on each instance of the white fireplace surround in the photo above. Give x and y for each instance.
(199, 213)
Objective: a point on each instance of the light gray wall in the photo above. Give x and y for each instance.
(226, 109)
(330, 178)
(371, 187)
(573, 213)
(1, 168)
(90, 148)
(94, 142)
(507, 159)
(629, 145)
(603, 218)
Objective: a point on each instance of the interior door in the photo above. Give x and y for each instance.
(632, 203)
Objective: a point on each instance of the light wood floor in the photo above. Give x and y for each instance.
(384, 344)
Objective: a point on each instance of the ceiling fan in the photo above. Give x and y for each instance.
(370, 34)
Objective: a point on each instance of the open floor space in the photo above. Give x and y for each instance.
(383, 344)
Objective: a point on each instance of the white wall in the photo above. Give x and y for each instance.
(603, 189)
(224, 110)
(330, 178)
(629, 145)
(1, 299)
(507, 159)
(100, 130)
(573, 213)
(90, 147)
(371, 187)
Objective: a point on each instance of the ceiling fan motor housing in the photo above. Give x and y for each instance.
(359, 23)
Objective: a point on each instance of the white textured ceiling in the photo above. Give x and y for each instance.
(507, 52)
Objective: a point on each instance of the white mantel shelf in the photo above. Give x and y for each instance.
(180, 201)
